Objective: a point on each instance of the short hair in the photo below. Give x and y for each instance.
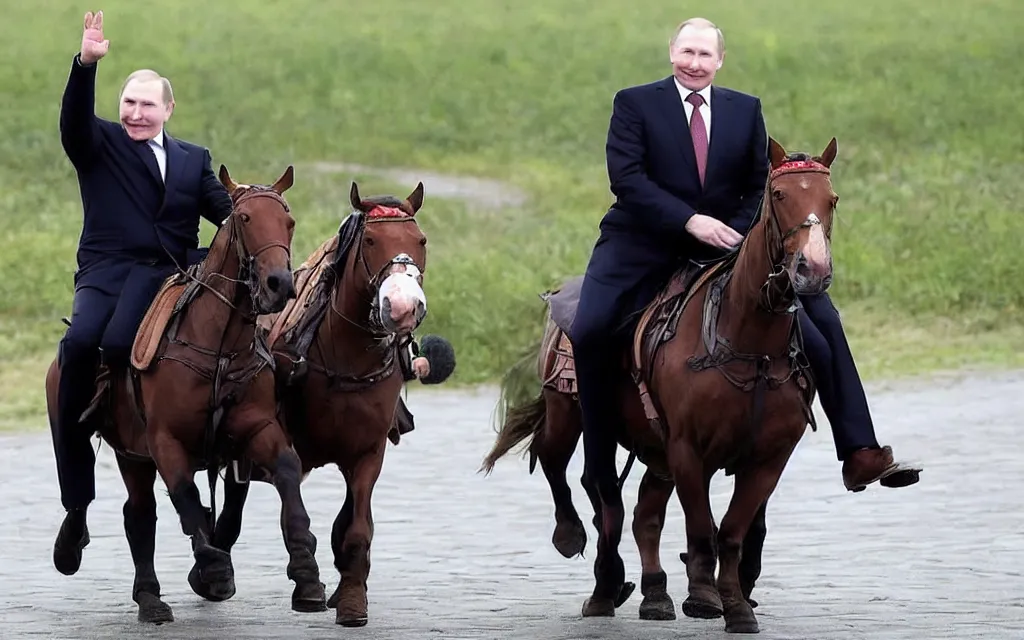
(146, 75)
(700, 23)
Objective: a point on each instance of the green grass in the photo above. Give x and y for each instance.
(923, 96)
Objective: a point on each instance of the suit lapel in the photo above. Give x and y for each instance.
(176, 157)
(721, 115)
(672, 106)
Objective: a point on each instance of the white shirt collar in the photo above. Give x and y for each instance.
(158, 140)
(683, 92)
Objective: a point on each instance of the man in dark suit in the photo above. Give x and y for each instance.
(677, 198)
(142, 193)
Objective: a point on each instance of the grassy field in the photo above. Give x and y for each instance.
(924, 97)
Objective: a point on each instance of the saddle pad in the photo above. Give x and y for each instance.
(306, 278)
(154, 324)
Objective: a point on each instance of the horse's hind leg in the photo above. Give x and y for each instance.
(554, 446)
(140, 529)
(225, 534)
(752, 489)
(352, 536)
(269, 449)
(648, 523)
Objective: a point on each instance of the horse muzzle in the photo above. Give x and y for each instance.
(275, 291)
(402, 304)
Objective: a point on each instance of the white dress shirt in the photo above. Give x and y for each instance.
(705, 109)
(157, 145)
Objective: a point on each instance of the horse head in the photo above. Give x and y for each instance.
(261, 226)
(799, 204)
(389, 260)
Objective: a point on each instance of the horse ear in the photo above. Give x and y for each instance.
(776, 153)
(286, 180)
(353, 197)
(225, 179)
(415, 199)
(829, 154)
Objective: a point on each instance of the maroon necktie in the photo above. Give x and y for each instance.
(699, 133)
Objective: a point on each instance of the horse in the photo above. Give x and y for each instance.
(341, 352)
(721, 383)
(198, 388)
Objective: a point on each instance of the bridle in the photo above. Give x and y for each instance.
(379, 214)
(776, 287)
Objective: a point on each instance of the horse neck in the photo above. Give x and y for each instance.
(745, 321)
(345, 337)
(209, 320)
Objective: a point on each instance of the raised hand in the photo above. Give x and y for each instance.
(94, 46)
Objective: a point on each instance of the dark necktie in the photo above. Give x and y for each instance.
(699, 134)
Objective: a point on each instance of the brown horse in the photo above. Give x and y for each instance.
(723, 384)
(199, 390)
(338, 347)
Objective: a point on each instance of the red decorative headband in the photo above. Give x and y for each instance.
(381, 212)
(798, 166)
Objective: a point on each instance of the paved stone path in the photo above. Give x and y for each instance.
(458, 555)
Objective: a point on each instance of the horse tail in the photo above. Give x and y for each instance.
(521, 407)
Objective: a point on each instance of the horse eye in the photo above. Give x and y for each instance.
(244, 217)
(369, 241)
(778, 194)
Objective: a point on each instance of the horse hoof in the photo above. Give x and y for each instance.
(627, 590)
(332, 602)
(153, 610)
(657, 606)
(345, 621)
(599, 608)
(694, 608)
(569, 538)
(215, 591)
(746, 626)
(739, 618)
(309, 598)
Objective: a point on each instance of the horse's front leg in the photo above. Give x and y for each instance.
(648, 524)
(172, 461)
(225, 534)
(269, 449)
(352, 536)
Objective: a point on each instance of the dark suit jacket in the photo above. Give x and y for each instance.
(653, 170)
(133, 219)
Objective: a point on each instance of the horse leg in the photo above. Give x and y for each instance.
(270, 450)
(140, 530)
(611, 590)
(352, 537)
(172, 462)
(648, 523)
(752, 489)
(692, 482)
(554, 447)
(750, 558)
(341, 524)
(225, 534)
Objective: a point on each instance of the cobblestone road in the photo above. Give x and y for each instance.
(458, 555)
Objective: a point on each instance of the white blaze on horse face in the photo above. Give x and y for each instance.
(406, 302)
(816, 250)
